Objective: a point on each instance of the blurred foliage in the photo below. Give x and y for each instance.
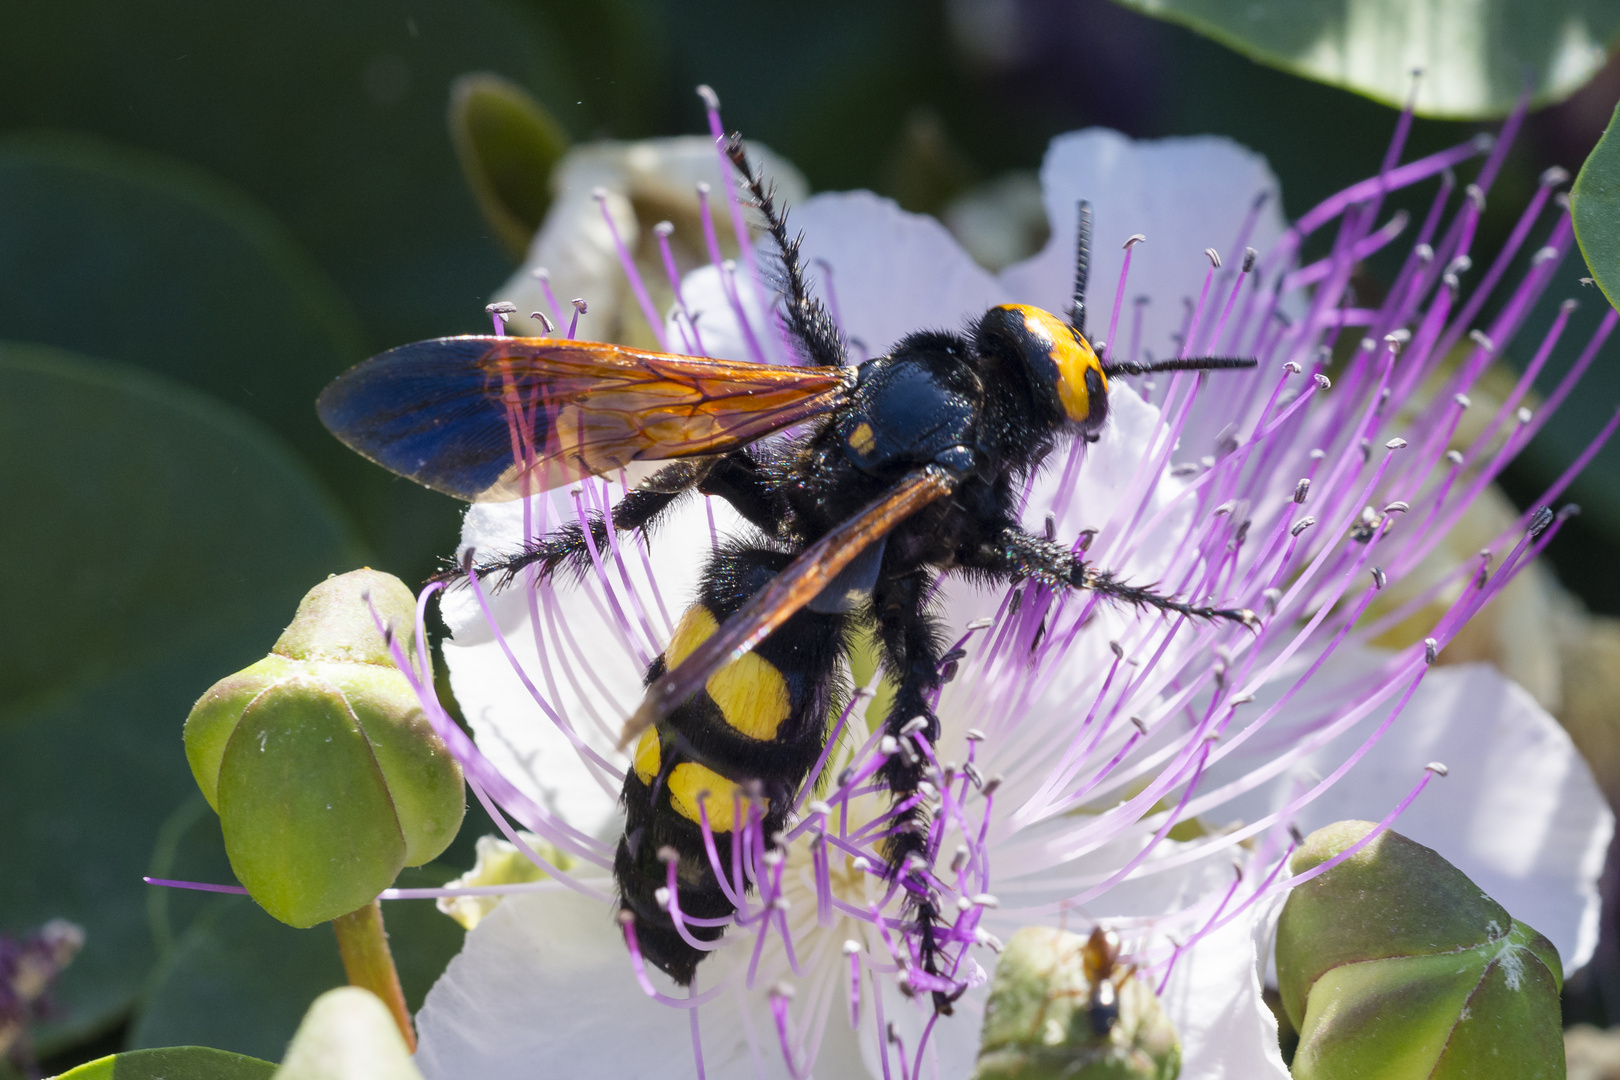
(508, 144)
(224, 205)
(1476, 58)
(171, 534)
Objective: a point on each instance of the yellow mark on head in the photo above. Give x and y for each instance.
(649, 756)
(691, 784)
(862, 440)
(750, 692)
(1070, 353)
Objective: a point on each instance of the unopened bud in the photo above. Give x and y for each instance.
(1061, 1006)
(1395, 942)
(326, 775)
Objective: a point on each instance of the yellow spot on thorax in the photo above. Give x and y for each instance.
(862, 440)
(750, 692)
(1069, 352)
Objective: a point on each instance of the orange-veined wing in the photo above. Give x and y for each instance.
(491, 418)
(800, 582)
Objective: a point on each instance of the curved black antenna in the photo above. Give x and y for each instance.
(1190, 363)
(1082, 267)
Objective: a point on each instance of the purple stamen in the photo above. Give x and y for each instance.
(544, 278)
(1172, 701)
(632, 273)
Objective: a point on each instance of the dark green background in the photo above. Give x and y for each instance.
(214, 208)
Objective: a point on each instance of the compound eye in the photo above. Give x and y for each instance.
(1096, 400)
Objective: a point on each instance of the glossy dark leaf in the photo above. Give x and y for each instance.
(1595, 206)
(158, 539)
(1476, 58)
(125, 255)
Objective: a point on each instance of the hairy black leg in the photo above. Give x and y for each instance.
(807, 319)
(742, 482)
(566, 547)
(735, 477)
(1017, 556)
(912, 647)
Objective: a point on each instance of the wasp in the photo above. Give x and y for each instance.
(900, 469)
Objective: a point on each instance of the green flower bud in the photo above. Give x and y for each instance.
(1060, 1007)
(347, 1034)
(326, 775)
(1393, 965)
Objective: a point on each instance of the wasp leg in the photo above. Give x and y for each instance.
(1018, 556)
(807, 319)
(912, 645)
(747, 740)
(735, 477)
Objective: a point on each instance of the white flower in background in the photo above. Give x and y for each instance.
(576, 254)
(1095, 763)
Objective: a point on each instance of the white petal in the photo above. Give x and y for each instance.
(574, 244)
(1227, 1032)
(953, 1045)
(592, 672)
(891, 272)
(1184, 194)
(882, 272)
(543, 985)
(713, 298)
(1518, 812)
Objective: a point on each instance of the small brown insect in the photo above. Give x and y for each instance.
(1100, 957)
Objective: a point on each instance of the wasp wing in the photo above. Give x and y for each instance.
(492, 418)
(792, 589)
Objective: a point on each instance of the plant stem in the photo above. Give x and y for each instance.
(363, 944)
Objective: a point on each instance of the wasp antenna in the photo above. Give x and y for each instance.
(1082, 267)
(1188, 363)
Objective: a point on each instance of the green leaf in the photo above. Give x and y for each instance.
(158, 539)
(1476, 59)
(130, 256)
(173, 1063)
(1594, 204)
(241, 980)
(508, 143)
